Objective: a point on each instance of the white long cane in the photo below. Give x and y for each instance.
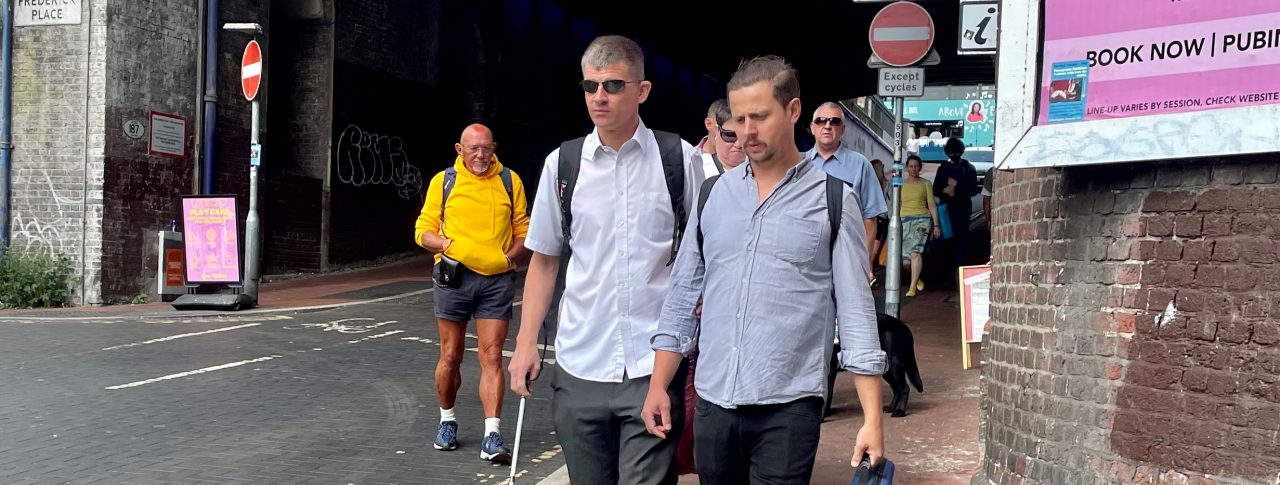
(515, 455)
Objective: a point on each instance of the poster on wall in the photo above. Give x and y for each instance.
(1136, 58)
(975, 307)
(211, 239)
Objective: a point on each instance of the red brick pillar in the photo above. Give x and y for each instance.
(1133, 338)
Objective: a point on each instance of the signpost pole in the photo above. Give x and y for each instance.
(251, 225)
(893, 263)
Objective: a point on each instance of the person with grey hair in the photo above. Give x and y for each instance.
(780, 260)
(830, 153)
(612, 206)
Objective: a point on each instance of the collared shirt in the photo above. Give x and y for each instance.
(854, 169)
(709, 164)
(771, 285)
(621, 239)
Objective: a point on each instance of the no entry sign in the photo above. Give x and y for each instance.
(901, 34)
(251, 70)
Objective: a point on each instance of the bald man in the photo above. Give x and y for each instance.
(475, 222)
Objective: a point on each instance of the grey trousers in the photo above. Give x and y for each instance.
(603, 435)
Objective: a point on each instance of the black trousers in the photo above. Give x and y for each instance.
(773, 444)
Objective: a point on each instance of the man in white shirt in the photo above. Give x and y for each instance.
(622, 238)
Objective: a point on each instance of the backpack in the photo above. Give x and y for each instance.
(835, 205)
(451, 176)
(672, 169)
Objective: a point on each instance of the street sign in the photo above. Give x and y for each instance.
(900, 81)
(901, 34)
(978, 21)
(28, 13)
(251, 70)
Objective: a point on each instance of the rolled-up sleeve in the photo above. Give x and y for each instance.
(677, 324)
(860, 351)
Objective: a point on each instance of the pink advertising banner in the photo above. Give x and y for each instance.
(211, 238)
(1117, 59)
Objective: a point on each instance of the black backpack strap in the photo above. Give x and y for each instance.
(450, 177)
(835, 205)
(716, 160)
(566, 180)
(673, 170)
(703, 193)
(508, 184)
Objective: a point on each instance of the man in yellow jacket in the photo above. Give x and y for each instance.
(475, 222)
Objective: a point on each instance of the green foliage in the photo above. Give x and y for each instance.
(34, 278)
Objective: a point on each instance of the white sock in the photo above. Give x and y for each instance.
(491, 425)
(447, 415)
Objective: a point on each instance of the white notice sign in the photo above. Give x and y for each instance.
(900, 81)
(46, 12)
(978, 20)
(168, 135)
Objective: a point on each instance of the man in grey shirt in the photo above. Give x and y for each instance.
(772, 283)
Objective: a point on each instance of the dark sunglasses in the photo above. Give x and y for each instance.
(835, 121)
(611, 86)
(728, 136)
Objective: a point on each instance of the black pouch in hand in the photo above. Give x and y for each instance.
(447, 273)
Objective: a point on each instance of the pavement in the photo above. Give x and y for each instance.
(329, 381)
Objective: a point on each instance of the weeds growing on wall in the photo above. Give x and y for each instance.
(34, 278)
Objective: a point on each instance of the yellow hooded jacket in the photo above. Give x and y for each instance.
(479, 217)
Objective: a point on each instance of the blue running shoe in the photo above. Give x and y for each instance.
(493, 451)
(447, 436)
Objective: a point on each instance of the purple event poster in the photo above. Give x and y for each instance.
(1149, 57)
(211, 239)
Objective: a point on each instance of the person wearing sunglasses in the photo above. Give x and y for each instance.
(845, 164)
(771, 278)
(707, 146)
(617, 224)
(729, 153)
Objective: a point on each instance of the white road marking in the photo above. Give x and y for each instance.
(184, 335)
(371, 337)
(418, 339)
(194, 372)
(240, 363)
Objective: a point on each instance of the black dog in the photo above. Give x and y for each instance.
(900, 349)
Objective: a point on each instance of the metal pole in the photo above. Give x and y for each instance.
(251, 223)
(6, 113)
(210, 123)
(893, 263)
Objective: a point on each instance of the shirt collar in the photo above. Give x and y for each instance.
(814, 155)
(592, 143)
(793, 172)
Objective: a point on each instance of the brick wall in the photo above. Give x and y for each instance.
(297, 157)
(392, 128)
(58, 104)
(151, 66)
(1132, 336)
